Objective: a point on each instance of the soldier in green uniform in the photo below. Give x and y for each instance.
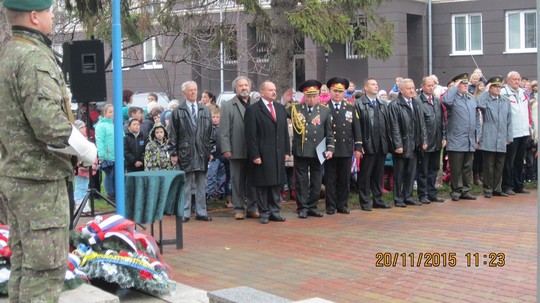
(35, 141)
(312, 123)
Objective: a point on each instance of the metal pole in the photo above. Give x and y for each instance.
(538, 165)
(430, 41)
(117, 103)
(221, 56)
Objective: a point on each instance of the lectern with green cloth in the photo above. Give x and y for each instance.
(151, 194)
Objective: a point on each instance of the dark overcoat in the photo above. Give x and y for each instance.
(192, 144)
(269, 140)
(434, 120)
(366, 113)
(407, 128)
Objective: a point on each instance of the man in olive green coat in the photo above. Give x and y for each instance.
(34, 105)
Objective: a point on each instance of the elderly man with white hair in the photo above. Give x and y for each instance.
(512, 181)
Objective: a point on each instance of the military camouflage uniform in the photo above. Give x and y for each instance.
(34, 114)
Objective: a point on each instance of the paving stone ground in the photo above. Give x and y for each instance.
(335, 257)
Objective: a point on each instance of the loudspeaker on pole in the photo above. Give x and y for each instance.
(83, 65)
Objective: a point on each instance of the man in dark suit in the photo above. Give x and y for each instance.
(268, 147)
(348, 137)
(373, 120)
(312, 124)
(232, 141)
(408, 134)
(429, 161)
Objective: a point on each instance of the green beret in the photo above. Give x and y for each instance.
(497, 80)
(27, 5)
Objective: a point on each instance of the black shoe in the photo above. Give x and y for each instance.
(400, 204)
(276, 218)
(367, 208)
(383, 206)
(522, 191)
(467, 196)
(302, 214)
(344, 210)
(436, 199)
(500, 194)
(488, 195)
(425, 201)
(330, 212)
(510, 192)
(263, 220)
(412, 202)
(185, 219)
(455, 198)
(314, 213)
(203, 218)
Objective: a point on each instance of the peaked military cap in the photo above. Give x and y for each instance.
(27, 5)
(461, 77)
(310, 87)
(497, 80)
(338, 83)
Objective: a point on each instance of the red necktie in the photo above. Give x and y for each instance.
(430, 100)
(272, 110)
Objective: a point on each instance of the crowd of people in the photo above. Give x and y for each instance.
(253, 147)
(485, 128)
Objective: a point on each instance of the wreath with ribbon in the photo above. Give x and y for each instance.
(109, 250)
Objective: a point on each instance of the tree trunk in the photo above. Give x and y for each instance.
(281, 45)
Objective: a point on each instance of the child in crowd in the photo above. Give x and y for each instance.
(134, 145)
(219, 175)
(105, 147)
(156, 156)
(153, 116)
(82, 178)
(133, 112)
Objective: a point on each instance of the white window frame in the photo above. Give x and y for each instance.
(522, 48)
(468, 35)
(350, 53)
(230, 55)
(152, 43)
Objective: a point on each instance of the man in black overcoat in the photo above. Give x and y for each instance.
(408, 134)
(268, 146)
(373, 115)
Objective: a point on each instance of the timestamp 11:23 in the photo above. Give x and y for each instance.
(433, 259)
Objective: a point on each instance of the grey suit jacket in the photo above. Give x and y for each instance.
(231, 128)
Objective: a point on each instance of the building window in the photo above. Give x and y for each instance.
(230, 49)
(152, 50)
(521, 31)
(467, 34)
(261, 46)
(360, 27)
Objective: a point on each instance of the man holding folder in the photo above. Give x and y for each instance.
(312, 125)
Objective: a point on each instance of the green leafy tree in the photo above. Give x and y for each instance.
(194, 23)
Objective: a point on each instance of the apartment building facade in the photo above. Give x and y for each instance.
(498, 36)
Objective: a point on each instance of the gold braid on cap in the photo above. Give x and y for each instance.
(299, 124)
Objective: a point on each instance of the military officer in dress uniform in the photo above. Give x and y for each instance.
(348, 138)
(312, 124)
